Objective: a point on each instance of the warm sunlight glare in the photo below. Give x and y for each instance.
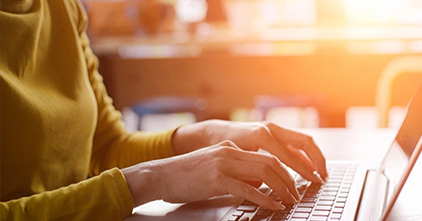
(382, 11)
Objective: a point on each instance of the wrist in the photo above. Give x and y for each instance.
(142, 184)
(191, 137)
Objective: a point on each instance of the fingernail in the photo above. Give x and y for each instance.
(293, 199)
(279, 206)
(297, 195)
(319, 177)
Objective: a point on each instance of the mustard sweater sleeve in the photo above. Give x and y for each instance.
(104, 197)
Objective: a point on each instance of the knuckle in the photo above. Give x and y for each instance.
(224, 151)
(262, 132)
(264, 169)
(309, 139)
(273, 160)
(227, 143)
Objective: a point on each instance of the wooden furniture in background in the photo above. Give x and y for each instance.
(399, 67)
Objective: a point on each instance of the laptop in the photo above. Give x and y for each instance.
(352, 192)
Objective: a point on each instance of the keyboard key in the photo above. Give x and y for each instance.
(321, 213)
(327, 198)
(336, 216)
(329, 193)
(346, 186)
(323, 208)
(343, 195)
(341, 200)
(246, 208)
(317, 218)
(303, 209)
(338, 210)
(339, 205)
(325, 203)
(300, 215)
(331, 189)
(238, 213)
(306, 205)
(332, 185)
(335, 180)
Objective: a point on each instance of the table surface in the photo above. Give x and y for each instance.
(367, 146)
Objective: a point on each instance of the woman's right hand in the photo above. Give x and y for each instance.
(216, 170)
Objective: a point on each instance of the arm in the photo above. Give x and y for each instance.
(104, 197)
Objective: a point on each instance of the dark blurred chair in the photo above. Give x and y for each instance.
(409, 65)
(170, 105)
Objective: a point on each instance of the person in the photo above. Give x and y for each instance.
(65, 154)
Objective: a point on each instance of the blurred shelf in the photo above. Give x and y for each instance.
(271, 41)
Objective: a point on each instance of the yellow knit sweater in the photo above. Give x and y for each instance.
(58, 125)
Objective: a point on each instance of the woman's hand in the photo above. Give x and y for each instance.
(296, 150)
(216, 170)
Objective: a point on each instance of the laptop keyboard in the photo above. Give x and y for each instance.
(317, 202)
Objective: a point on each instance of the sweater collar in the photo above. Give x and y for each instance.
(16, 6)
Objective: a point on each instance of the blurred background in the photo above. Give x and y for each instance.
(298, 63)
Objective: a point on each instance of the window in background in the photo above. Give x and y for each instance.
(384, 12)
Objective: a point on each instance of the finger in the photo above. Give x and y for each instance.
(261, 172)
(318, 160)
(242, 190)
(305, 142)
(271, 162)
(293, 159)
(302, 165)
(301, 156)
(297, 162)
(253, 183)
